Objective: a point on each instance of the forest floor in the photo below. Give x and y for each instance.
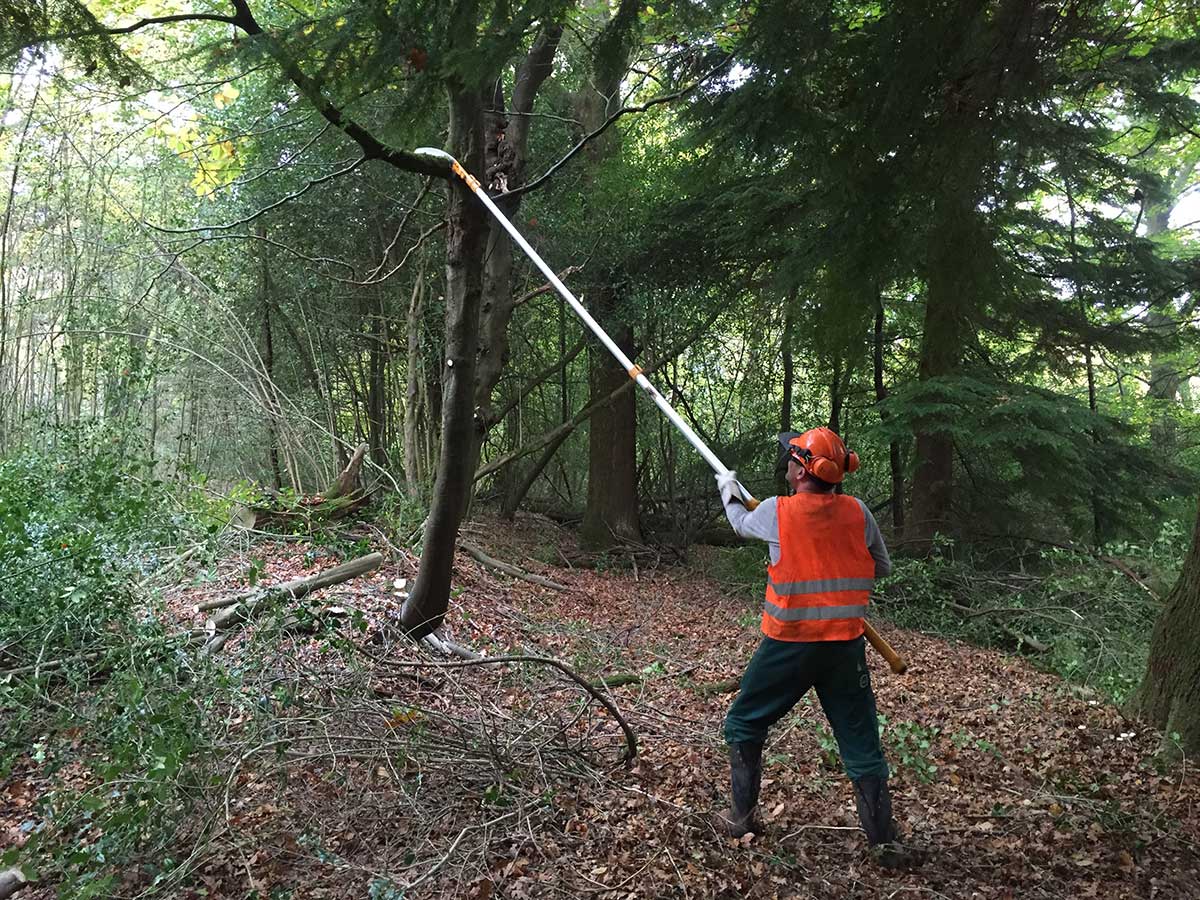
(386, 771)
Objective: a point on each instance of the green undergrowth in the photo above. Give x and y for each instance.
(1085, 615)
(103, 715)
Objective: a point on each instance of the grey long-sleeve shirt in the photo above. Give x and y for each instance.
(763, 523)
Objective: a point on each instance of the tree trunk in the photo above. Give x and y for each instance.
(612, 504)
(1170, 693)
(1167, 373)
(505, 158)
(789, 383)
(268, 357)
(377, 405)
(426, 606)
(416, 407)
(956, 247)
(504, 170)
(836, 397)
(897, 464)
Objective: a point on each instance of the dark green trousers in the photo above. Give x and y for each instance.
(781, 672)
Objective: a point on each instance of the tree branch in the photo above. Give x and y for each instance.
(630, 738)
(372, 147)
(587, 411)
(144, 23)
(537, 380)
(243, 19)
(592, 135)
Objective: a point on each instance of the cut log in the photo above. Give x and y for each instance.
(478, 555)
(249, 605)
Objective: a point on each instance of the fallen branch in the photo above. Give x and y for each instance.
(728, 686)
(630, 738)
(1130, 574)
(321, 509)
(477, 554)
(618, 680)
(249, 605)
(221, 603)
(447, 647)
(1034, 644)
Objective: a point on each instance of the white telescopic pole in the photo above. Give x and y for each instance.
(897, 663)
(580, 310)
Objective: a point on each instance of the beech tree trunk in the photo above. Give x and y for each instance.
(426, 606)
(1168, 374)
(1169, 697)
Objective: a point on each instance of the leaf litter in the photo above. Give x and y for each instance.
(385, 781)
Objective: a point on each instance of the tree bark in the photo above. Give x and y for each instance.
(504, 170)
(956, 246)
(268, 357)
(426, 606)
(612, 505)
(894, 458)
(1169, 697)
(789, 383)
(416, 407)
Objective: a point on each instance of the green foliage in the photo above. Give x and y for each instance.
(96, 702)
(401, 514)
(1033, 455)
(1084, 607)
(910, 746)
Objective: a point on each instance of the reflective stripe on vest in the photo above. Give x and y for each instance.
(814, 613)
(820, 587)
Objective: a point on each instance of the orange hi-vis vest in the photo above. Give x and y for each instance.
(819, 589)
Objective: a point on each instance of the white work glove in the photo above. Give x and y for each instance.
(727, 484)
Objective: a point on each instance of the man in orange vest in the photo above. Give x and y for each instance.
(825, 552)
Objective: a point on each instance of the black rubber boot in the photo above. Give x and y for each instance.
(875, 809)
(745, 776)
(883, 837)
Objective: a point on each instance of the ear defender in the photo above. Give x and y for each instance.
(851, 461)
(826, 470)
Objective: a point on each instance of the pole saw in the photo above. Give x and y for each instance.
(894, 659)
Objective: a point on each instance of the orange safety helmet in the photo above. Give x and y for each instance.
(820, 452)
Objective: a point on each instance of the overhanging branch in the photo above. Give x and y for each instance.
(243, 19)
